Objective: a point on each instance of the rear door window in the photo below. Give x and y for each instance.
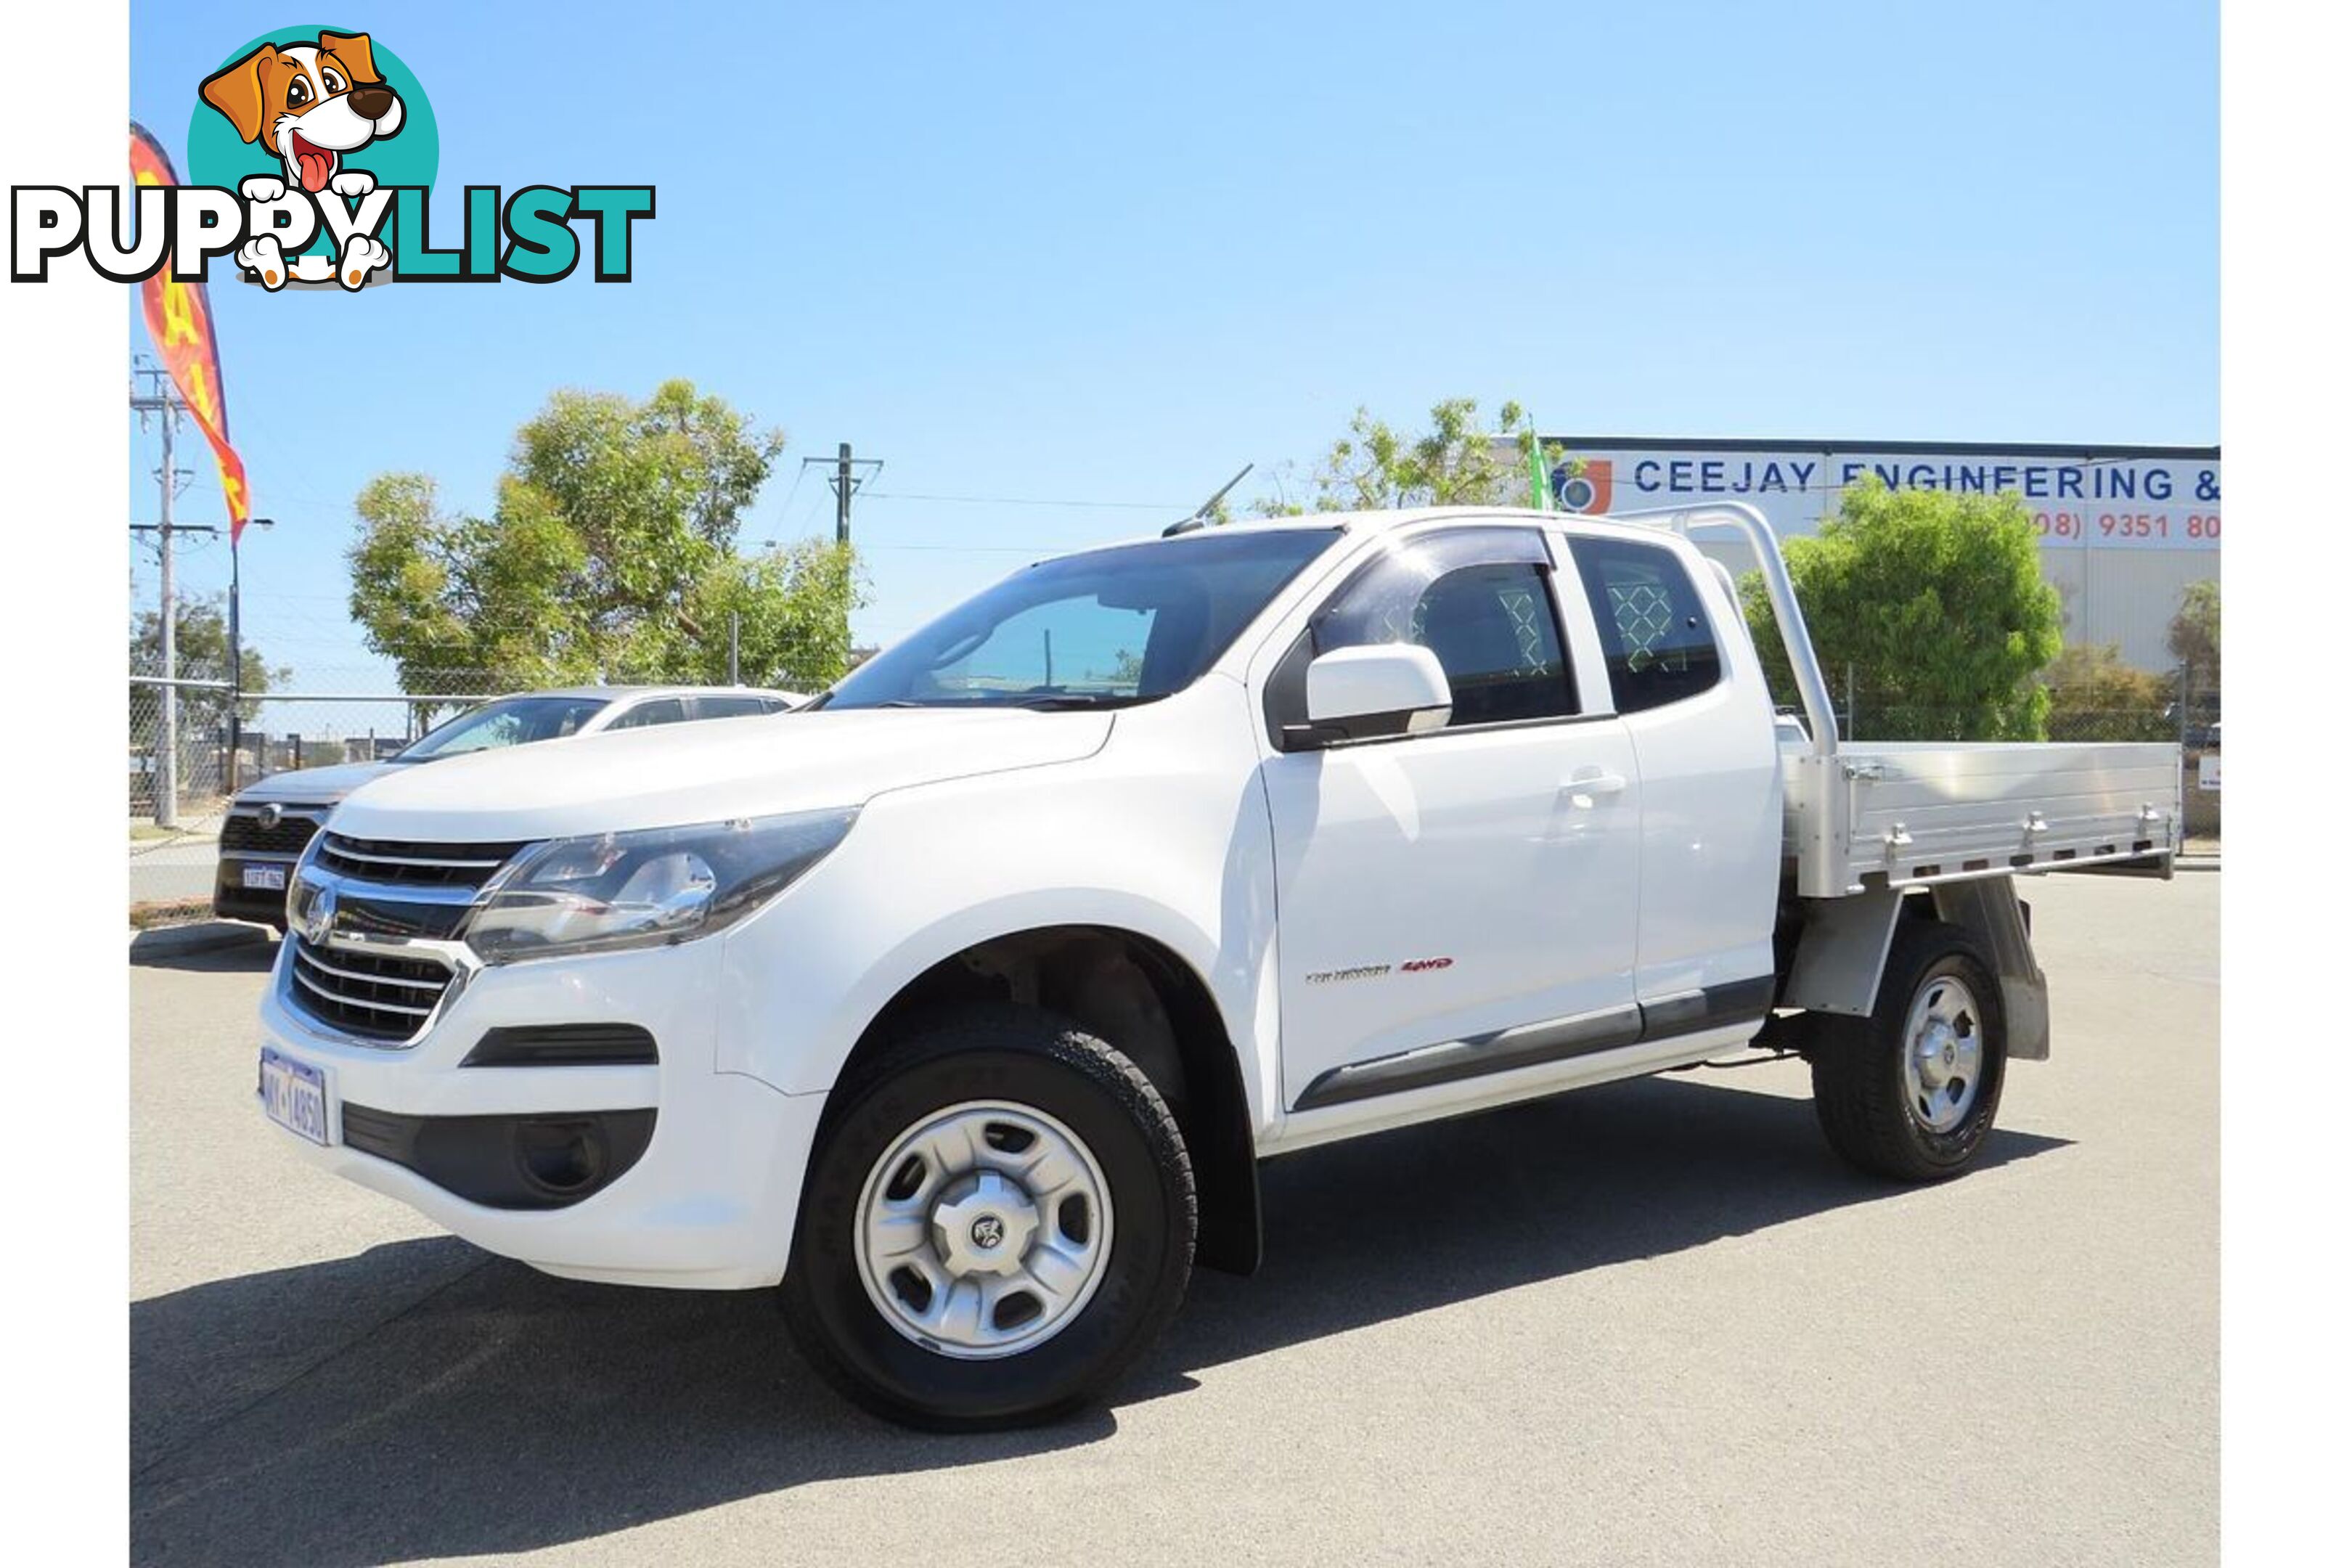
(1654, 627)
(732, 707)
(660, 710)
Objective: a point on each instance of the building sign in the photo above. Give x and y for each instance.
(2123, 498)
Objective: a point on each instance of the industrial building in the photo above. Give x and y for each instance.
(2125, 530)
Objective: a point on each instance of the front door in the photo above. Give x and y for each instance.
(1462, 900)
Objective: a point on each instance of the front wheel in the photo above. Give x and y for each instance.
(998, 1220)
(1910, 1092)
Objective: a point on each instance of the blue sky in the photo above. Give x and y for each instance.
(1105, 254)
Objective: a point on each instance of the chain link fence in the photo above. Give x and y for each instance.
(179, 793)
(168, 783)
(191, 743)
(325, 722)
(1897, 719)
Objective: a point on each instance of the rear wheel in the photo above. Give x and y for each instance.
(1911, 1091)
(998, 1220)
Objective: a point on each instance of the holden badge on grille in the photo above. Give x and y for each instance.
(316, 917)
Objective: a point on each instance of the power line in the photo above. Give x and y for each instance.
(1021, 501)
(978, 549)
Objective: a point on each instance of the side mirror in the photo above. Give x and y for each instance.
(1364, 693)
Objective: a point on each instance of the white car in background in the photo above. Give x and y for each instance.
(271, 823)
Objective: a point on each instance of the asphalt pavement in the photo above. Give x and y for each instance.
(1655, 1322)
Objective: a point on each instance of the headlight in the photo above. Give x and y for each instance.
(642, 890)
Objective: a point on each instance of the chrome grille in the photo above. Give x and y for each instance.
(243, 833)
(416, 865)
(377, 930)
(378, 995)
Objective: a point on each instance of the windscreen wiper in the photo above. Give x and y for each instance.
(1055, 701)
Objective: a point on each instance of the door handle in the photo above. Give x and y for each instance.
(1594, 781)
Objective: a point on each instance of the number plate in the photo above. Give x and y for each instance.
(271, 878)
(294, 1095)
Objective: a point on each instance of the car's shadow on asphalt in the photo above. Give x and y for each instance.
(424, 1400)
(237, 953)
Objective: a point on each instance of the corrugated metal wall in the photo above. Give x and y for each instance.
(2125, 596)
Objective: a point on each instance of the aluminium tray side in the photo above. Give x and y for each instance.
(1912, 813)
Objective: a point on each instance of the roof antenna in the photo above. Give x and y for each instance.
(1200, 518)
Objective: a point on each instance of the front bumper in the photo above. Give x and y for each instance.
(709, 1203)
(262, 833)
(232, 899)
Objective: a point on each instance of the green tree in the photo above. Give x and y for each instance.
(610, 554)
(199, 652)
(1936, 601)
(1453, 462)
(2096, 696)
(2195, 635)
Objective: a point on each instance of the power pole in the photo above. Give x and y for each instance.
(237, 664)
(846, 481)
(842, 488)
(167, 771)
(160, 399)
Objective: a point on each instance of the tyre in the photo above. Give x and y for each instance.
(1911, 1091)
(998, 1219)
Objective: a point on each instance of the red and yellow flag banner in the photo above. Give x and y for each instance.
(180, 320)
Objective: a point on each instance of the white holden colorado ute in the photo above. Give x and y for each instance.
(963, 1004)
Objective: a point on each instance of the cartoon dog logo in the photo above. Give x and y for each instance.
(311, 104)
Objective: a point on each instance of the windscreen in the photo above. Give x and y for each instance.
(1102, 629)
(515, 721)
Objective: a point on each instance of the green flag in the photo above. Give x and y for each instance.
(1538, 489)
